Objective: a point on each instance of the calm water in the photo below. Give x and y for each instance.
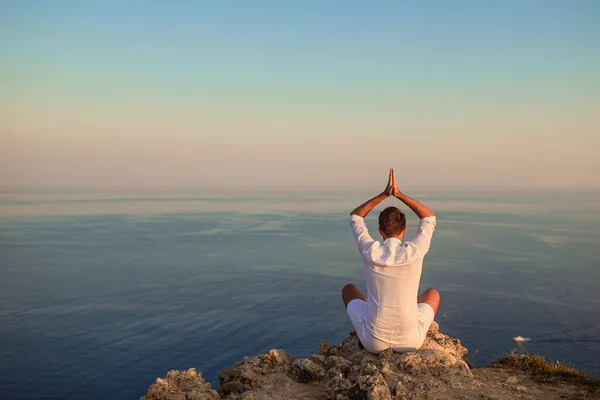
(101, 293)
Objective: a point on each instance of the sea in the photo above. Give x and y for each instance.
(101, 292)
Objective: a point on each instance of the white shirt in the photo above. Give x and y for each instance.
(392, 271)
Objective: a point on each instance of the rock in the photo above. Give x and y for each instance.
(324, 347)
(250, 372)
(391, 378)
(336, 385)
(387, 353)
(368, 368)
(318, 358)
(344, 371)
(438, 341)
(234, 387)
(184, 385)
(339, 361)
(399, 390)
(337, 365)
(247, 396)
(332, 372)
(375, 386)
(304, 370)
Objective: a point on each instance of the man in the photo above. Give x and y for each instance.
(392, 315)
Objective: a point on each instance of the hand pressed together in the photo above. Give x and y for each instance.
(392, 186)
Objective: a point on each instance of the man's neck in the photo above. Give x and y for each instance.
(393, 237)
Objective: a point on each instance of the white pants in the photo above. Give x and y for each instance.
(356, 311)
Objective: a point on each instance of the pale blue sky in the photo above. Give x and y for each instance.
(168, 94)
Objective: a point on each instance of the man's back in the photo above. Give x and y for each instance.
(392, 274)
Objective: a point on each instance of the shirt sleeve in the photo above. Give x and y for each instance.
(422, 239)
(361, 233)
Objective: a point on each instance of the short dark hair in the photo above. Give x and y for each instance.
(392, 221)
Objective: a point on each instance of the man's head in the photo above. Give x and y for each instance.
(392, 223)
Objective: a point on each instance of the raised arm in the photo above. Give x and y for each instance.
(422, 238)
(418, 208)
(368, 205)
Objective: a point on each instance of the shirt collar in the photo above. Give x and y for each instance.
(392, 240)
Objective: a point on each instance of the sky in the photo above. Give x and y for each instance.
(299, 95)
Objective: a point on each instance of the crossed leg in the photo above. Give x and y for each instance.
(350, 292)
(430, 296)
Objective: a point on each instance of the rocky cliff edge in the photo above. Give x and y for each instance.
(438, 370)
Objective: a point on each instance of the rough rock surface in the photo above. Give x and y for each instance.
(182, 385)
(438, 370)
